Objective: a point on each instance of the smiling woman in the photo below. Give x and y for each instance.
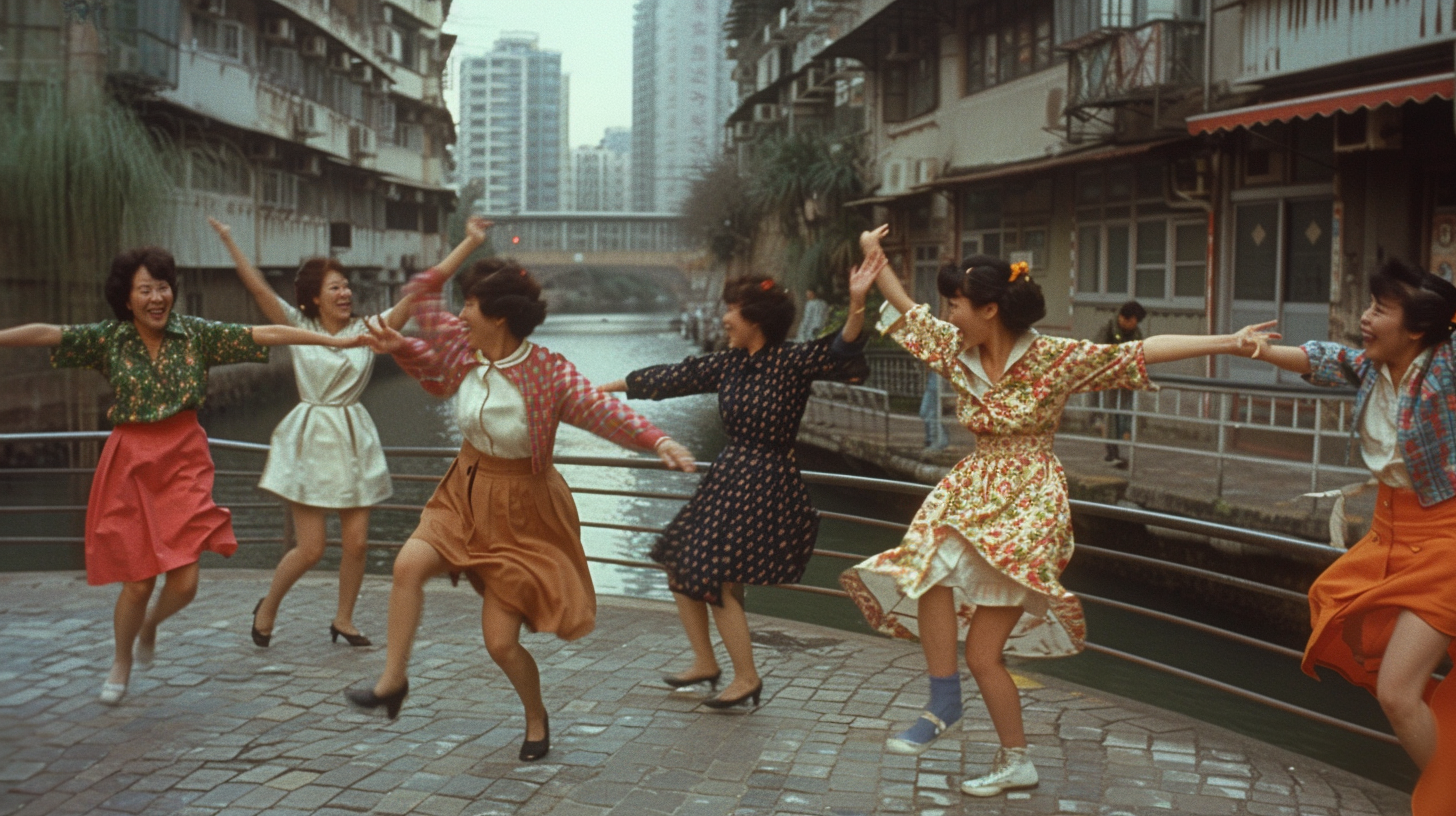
(150, 510)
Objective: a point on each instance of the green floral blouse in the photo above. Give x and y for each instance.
(148, 391)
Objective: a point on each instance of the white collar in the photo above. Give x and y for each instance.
(517, 356)
(1417, 364)
(971, 359)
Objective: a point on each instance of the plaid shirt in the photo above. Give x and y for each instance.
(1426, 427)
(552, 387)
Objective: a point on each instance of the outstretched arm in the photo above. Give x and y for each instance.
(1250, 341)
(887, 280)
(252, 279)
(289, 336)
(860, 279)
(31, 334)
(476, 229)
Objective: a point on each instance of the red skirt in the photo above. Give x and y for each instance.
(151, 507)
(1406, 561)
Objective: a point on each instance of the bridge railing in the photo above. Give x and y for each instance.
(1294, 547)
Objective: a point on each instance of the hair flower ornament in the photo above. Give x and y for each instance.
(767, 286)
(1019, 269)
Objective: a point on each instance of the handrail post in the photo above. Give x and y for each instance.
(1223, 420)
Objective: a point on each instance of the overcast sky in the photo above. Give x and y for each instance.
(593, 36)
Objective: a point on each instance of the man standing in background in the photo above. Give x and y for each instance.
(1120, 329)
(814, 314)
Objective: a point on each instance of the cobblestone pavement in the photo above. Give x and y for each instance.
(217, 726)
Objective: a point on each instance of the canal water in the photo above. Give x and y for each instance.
(606, 347)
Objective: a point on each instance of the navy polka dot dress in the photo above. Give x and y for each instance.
(750, 520)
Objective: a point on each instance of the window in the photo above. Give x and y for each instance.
(223, 38)
(1005, 40)
(1131, 245)
(280, 189)
(912, 78)
(1008, 222)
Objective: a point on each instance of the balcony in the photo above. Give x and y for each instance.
(1119, 66)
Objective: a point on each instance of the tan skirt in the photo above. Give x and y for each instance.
(516, 535)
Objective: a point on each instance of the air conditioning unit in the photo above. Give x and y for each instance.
(212, 8)
(926, 171)
(341, 61)
(893, 177)
(264, 150)
(1368, 129)
(312, 165)
(363, 141)
(279, 30)
(315, 46)
(312, 120)
(391, 43)
(765, 112)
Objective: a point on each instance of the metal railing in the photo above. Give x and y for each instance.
(1277, 543)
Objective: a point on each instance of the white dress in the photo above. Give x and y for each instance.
(326, 452)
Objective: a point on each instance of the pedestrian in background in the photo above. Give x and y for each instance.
(1122, 328)
(816, 312)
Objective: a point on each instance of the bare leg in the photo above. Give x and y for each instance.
(1414, 650)
(939, 630)
(732, 624)
(694, 615)
(501, 627)
(308, 531)
(131, 610)
(354, 527)
(985, 642)
(178, 591)
(416, 563)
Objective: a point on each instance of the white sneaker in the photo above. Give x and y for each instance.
(1011, 770)
(111, 693)
(904, 747)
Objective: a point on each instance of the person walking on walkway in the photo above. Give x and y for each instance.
(983, 556)
(1122, 328)
(150, 511)
(502, 515)
(1384, 614)
(816, 311)
(750, 520)
(326, 455)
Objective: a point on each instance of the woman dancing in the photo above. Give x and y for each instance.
(326, 455)
(983, 556)
(1384, 614)
(750, 521)
(502, 515)
(150, 511)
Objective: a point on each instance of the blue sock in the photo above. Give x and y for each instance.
(945, 703)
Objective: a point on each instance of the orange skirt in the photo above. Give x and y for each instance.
(151, 507)
(516, 535)
(1406, 561)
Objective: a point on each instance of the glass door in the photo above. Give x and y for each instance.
(1281, 272)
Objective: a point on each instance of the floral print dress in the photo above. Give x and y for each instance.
(750, 520)
(998, 528)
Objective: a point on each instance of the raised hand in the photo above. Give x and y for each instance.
(476, 227)
(675, 456)
(862, 277)
(382, 338)
(869, 240)
(1256, 338)
(223, 230)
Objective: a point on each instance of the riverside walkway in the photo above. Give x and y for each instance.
(217, 726)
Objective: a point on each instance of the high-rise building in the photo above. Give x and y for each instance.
(602, 173)
(681, 95)
(512, 132)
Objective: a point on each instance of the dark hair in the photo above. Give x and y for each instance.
(309, 283)
(486, 267)
(512, 294)
(124, 267)
(1134, 310)
(1427, 302)
(984, 279)
(763, 303)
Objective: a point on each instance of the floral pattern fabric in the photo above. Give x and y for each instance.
(147, 390)
(751, 520)
(1006, 503)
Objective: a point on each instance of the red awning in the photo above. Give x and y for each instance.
(1421, 89)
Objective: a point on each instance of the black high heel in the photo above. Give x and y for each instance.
(679, 682)
(367, 700)
(532, 750)
(356, 639)
(260, 639)
(719, 702)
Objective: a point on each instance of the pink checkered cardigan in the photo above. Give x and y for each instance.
(554, 390)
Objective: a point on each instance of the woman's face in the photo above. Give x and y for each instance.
(150, 300)
(1382, 327)
(742, 333)
(977, 323)
(335, 300)
(484, 329)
